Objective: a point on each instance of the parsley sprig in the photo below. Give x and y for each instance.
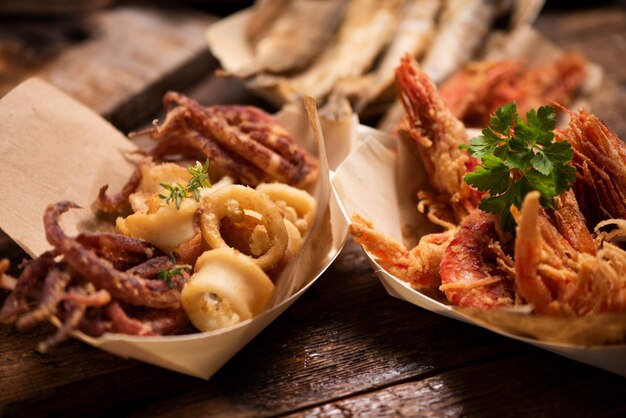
(177, 192)
(518, 157)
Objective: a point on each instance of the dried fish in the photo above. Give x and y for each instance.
(415, 30)
(298, 35)
(368, 26)
(464, 26)
(264, 12)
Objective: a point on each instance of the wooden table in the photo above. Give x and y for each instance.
(345, 348)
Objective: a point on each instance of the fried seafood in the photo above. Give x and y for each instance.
(600, 162)
(480, 88)
(558, 279)
(230, 221)
(464, 24)
(126, 287)
(364, 39)
(151, 177)
(119, 201)
(437, 135)
(252, 135)
(78, 283)
(256, 225)
(244, 142)
(226, 288)
(368, 25)
(470, 275)
(553, 263)
(249, 209)
(302, 22)
(415, 29)
(175, 220)
(170, 226)
(297, 205)
(165, 226)
(34, 272)
(419, 267)
(97, 283)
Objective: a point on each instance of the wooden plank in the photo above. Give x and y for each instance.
(129, 58)
(24, 371)
(525, 386)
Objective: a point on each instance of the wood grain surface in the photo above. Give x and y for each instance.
(345, 348)
(119, 62)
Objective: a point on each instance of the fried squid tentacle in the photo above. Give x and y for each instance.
(193, 144)
(34, 271)
(119, 201)
(74, 314)
(120, 250)
(295, 168)
(126, 287)
(53, 289)
(157, 322)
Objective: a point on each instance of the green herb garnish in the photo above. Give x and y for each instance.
(199, 178)
(177, 192)
(167, 275)
(518, 157)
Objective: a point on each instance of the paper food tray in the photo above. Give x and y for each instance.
(365, 183)
(53, 148)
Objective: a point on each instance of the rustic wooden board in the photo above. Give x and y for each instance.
(480, 390)
(118, 62)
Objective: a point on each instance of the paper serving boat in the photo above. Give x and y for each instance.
(53, 148)
(375, 183)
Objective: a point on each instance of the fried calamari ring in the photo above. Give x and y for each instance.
(297, 204)
(293, 246)
(227, 287)
(232, 201)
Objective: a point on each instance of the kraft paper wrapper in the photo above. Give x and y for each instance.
(52, 148)
(374, 183)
